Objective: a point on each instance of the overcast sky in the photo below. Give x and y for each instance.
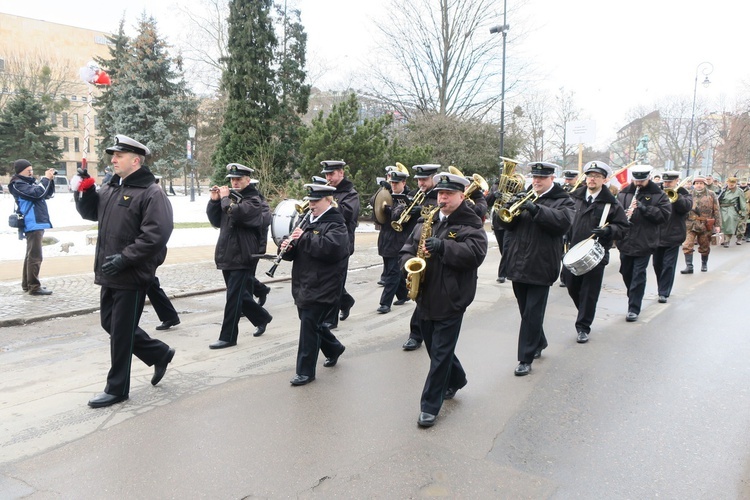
(614, 55)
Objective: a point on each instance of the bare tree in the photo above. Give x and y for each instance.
(440, 58)
(564, 112)
(204, 43)
(43, 75)
(531, 120)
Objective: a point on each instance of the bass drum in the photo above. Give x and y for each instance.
(583, 257)
(283, 220)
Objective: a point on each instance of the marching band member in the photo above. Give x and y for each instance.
(671, 236)
(424, 176)
(647, 208)
(569, 180)
(703, 220)
(320, 255)
(347, 199)
(390, 242)
(242, 217)
(534, 250)
(590, 202)
(457, 247)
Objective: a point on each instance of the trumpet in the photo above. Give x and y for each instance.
(508, 214)
(398, 225)
(672, 194)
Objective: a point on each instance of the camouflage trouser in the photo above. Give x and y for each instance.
(704, 243)
(741, 228)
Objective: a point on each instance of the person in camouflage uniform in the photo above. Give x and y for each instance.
(742, 228)
(699, 228)
(733, 211)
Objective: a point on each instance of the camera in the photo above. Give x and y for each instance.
(55, 172)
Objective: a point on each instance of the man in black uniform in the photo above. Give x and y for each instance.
(534, 250)
(390, 242)
(242, 217)
(671, 236)
(424, 175)
(591, 201)
(347, 199)
(456, 248)
(319, 249)
(569, 180)
(135, 222)
(647, 208)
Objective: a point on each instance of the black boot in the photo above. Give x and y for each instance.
(704, 263)
(688, 263)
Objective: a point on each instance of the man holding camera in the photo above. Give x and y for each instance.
(31, 199)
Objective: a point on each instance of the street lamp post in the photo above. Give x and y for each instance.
(706, 68)
(191, 157)
(504, 30)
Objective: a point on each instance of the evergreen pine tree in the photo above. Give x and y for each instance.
(118, 54)
(249, 84)
(25, 133)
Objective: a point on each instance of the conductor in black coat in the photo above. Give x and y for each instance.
(590, 202)
(453, 252)
(534, 249)
(320, 252)
(671, 236)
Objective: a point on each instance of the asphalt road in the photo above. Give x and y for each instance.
(656, 408)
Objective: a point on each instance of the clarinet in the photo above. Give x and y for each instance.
(633, 203)
(279, 257)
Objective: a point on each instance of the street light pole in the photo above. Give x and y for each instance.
(707, 69)
(504, 30)
(191, 157)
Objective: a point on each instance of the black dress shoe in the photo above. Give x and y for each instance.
(411, 344)
(384, 309)
(501, 279)
(260, 330)
(401, 302)
(345, 313)
(662, 299)
(262, 297)
(450, 392)
(381, 282)
(221, 344)
(40, 291)
(166, 325)
(104, 399)
(561, 285)
(426, 419)
(631, 316)
(538, 354)
(329, 362)
(583, 337)
(301, 380)
(523, 369)
(161, 368)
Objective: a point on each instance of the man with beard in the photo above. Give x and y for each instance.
(647, 208)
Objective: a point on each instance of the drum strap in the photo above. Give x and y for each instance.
(605, 213)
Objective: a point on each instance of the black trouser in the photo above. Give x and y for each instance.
(160, 302)
(532, 304)
(240, 303)
(634, 270)
(32, 263)
(415, 331)
(395, 283)
(314, 336)
(584, 290)
(440, 337)
(346, 301)
(120, 313)
(500, 237)
(665, 265)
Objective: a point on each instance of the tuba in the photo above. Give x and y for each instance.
(508, 214)
(415, 266)
(510, 183)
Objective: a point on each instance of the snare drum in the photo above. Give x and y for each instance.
(583, 257)
(284, 219)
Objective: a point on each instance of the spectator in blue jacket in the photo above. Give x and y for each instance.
(31, 198)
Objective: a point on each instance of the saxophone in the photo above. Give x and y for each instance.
(415, 266)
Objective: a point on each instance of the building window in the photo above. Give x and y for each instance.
(75, 120)
(76, 145)
(66, 144)
(53, 118)
(73, 98)
(65, 120)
